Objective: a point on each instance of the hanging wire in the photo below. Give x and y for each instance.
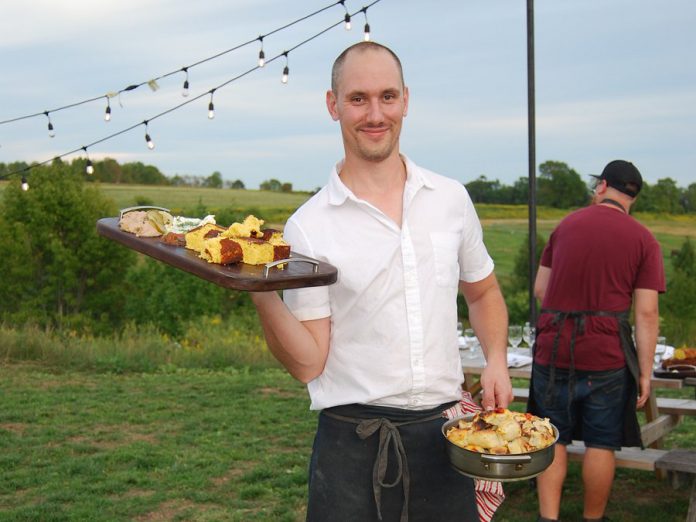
(149, 141)
(185, 69)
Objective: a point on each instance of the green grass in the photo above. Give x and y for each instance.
(177, 198)
(199, 445)
(185, 445)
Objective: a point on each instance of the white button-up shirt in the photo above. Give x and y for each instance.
(393, 309)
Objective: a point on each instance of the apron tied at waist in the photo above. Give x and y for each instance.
(578, 318)
(389, 436)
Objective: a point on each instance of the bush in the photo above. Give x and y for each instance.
(678, 311)
(54, 264)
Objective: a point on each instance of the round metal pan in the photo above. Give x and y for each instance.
(503, 468)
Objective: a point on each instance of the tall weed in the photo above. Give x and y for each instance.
(208, 342)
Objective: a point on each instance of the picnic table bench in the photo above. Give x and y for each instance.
(681, 463)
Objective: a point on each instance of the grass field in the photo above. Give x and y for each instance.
(110, 443)
(505, 226)
(197, 445)
(188, 197)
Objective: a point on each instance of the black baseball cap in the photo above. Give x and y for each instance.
(623, 176)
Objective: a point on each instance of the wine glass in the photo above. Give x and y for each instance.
(472, 343)
(659, 352)
(528, 335)
(515, 336)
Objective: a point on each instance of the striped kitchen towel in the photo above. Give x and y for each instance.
(489, 493)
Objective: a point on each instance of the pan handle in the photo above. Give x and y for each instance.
(505, 459)
(270, 265)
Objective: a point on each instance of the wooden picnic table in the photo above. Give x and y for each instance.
(662, 414)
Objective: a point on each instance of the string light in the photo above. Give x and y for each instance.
(262, 55)
(89, 168)
(148, 139)
(367, 25)
(211, 107)
(51, 131)
(286, 69)
(107, 112)
(25, 184)
(185, 90)
(346, 18)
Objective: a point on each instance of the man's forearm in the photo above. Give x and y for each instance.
(647, 327)
(489, 319)
(302, 347)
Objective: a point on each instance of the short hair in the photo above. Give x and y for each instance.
(361, 47)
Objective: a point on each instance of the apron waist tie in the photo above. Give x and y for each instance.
(389, 436)
(578, 318)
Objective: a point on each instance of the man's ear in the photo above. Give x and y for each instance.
(601, 186)
(331, 104)
(406, 98)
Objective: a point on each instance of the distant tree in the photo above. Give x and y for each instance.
(271, 184)
(689, 199)
(108, 171)
(559, 186)
(517, 290)
(666, 197)
(55, 268)
(520, 191)
(286, 187)
(238, 184)
(137, 172)
(213, 181)
(482, 190)
(178, 181)
(520, 272)
(678, 306)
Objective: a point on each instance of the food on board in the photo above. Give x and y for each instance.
(244, 242)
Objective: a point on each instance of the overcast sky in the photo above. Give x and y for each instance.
(614, 79)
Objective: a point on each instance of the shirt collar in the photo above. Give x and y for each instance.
(416, 178)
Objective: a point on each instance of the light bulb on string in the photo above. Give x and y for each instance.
(25, 184)
(148, 139)
(211, 107)
(51, 131)
(286, 69)
(262, 55)
(367, 25)
(107, 112)
(347, 17)
(89, 168)
(185, 90)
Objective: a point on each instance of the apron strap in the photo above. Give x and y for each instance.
(578, 318)
(389, 437)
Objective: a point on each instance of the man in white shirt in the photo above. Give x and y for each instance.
(378, 349)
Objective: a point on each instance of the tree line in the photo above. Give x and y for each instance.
(110, 171)
(56, 272)
(560, 186)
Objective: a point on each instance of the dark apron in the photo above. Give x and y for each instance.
(631, 429)
(372, 464)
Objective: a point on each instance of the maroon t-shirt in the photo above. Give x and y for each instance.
(598, 256)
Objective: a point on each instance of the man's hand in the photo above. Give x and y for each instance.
(496, 386)
(644, 391)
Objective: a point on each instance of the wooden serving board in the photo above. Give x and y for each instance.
(252, 278)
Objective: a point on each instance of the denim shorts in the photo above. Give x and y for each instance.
(597, 408)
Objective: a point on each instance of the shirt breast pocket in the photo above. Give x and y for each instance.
(446, 259)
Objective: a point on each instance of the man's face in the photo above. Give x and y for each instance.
(370, 103)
